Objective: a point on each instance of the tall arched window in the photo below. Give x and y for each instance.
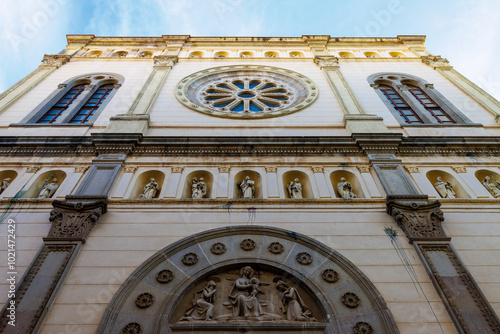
(413, 101)
(77, 101)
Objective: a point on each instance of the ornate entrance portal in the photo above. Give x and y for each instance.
(257, 279)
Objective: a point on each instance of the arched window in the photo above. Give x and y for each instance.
(413, 101)
(76, 101)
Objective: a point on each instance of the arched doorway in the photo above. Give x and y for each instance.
(265, 280)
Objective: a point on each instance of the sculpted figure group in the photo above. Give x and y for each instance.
(243, 299)
(492, 186)
(444, 188)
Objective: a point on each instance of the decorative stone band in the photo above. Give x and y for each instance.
(417, 218)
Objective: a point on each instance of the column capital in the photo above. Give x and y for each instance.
(177, 169)
(271, 169)
(55, 60)
(459, 169)
(437, 62)
(364, 169)
(81, 169)
(412, 169)
(318, 169)
(224, 169)
(129, 169)
(163, 61)
(327, 62)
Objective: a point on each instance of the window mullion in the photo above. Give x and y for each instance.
(78, 103)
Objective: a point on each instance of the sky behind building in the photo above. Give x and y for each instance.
(464, 31)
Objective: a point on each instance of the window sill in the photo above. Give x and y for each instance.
(35, 125)
(432, 125)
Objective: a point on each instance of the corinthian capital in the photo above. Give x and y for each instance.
(165, 61)
(437, 62)
(326, 61)
(55, 60)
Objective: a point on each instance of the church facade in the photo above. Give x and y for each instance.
(310, 184)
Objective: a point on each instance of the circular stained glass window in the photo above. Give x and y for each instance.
(246, 91)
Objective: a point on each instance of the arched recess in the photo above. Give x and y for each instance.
(349, 177)
(488, 176)
(303, 179)
(8, 176)
(145, 178)
(208, 178)
(44, 179)
(460, 192)
(339, 295)
(254, 176)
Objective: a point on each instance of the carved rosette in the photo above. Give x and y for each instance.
(74, 220)
(132, 328)
(350, 300)
(163, 61)
(144, 300)
(276, 248)
(304, 258)
(327, 62)
(165, 276)
(363, 328)
(190, 259)
(330, 276)
(247, 245)
(418, 221)
(218, 248)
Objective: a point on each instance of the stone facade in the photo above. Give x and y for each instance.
(256, 184)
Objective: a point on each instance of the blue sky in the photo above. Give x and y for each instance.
(465, 32)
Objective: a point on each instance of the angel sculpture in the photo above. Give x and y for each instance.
(292, 305)
(203, 307)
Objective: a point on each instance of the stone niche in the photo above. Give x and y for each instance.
(303, 179)
(446, 177)
(254, 176)
(8, 174)
(208, 178)
(144, 179)
(349, 177)
(36, 186)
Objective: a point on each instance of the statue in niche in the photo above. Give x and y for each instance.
(295, 189)
(48, 189)
(247, 187)
(203, 307)
(292, 305)
(4, 184)
(491, 186)
(345, 189)
(150, 190)
(445, 189)
(198, 188)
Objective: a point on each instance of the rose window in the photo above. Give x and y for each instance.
(246, 91)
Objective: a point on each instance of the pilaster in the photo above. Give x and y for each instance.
(50, 63)
(422, 224)
(355, 118)
(443, 66)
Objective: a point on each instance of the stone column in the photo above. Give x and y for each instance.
(124, 182)
(173, 182)
(272, 182)
(444, 67)
(369, 181)
(72, 222)
(422, 223)
(223, 182)
(49, 64)
(319, 176)
(355, 117)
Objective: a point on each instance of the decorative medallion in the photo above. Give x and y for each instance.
(132, 328)
(330, 276)
(190, 259)
(165, 276)
(363, 328)
(351, 300)
(218, 248)
(144, 300)
(304, 258)
(247, 244)
(246, 91)
(276, 248)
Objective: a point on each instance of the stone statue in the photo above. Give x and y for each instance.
(445, 189)
(243, 295)
(150, 190)
(4, 184)
(345, 189)
(492, 187)
(198, 188)
(203, 307)
(295, 189)
(49, 189)
(292, 305)
(247, 187)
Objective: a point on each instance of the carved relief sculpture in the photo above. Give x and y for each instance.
(491, 186)
(243, 295)
(198, 188)
(445, 189)
(4, 184)
(292, 305)
(48, 189)
(295, 189)
(345, 189)
(247, 187)
(203, 307)
(150, 190)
